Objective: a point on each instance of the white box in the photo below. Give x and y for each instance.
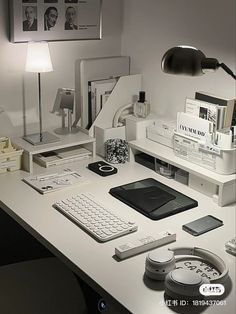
(136, 127)
(154, 136)
(162, 131)
(102, 135)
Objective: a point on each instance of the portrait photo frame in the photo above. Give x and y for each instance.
(55, 20)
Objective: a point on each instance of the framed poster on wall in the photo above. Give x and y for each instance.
(54, 20)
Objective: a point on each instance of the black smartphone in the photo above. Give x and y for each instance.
(202, 225)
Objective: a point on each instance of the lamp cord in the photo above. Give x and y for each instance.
(227, 70)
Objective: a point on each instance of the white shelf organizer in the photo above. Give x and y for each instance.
(124, 92)
(226, 184)
(70, 140)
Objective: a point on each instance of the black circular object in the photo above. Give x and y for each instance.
(183, 60)
(102, 305)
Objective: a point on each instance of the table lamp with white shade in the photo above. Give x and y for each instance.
(38, 60)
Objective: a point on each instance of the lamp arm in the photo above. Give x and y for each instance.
(227, 70)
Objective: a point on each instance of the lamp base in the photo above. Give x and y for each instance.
(46, 138)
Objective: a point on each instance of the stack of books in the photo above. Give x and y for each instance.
(98, 93)
(61, 156)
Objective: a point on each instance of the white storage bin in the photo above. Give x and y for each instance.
(222, 161)
(162, 131)
(104, 134)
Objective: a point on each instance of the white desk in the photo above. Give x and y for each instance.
(123, 280)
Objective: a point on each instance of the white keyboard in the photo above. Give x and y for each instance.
(94, 217)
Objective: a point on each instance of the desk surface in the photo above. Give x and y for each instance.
(122, 280)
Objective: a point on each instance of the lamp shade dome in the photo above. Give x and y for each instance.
(184, 60)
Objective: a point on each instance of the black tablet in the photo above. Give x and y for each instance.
(152, 198)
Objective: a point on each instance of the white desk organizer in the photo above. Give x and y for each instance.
(221, 161)
(124, 92)
(10, 157)
(222, 187)
(79, 139)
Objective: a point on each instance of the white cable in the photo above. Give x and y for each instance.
(122, 119)
(118, 114)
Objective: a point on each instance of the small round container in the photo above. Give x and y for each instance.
(116, 151)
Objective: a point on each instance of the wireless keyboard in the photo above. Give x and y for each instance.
(94, 217)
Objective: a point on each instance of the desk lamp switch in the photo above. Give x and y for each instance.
(144, 243)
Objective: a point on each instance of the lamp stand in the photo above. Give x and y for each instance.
(40, 138)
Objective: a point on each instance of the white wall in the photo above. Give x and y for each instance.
(151, 27)
(18, 88)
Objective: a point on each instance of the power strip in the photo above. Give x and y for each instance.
(144, 243)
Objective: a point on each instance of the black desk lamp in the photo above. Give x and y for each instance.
(190, 61)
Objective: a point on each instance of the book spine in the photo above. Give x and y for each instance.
(229, 114)
(89, 106)
(211, 99)
(98, 105)
(203, 110)
(222, 117)
(228, 103)
(234, 114)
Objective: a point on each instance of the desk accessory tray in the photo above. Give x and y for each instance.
(218, 160)
(10, 157)
(152, 198)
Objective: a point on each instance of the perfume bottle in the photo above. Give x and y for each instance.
(141, 107)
